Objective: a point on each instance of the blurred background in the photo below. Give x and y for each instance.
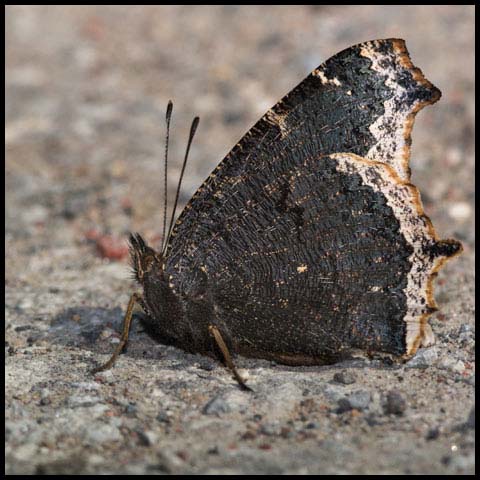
(86, 91)
(87, 87)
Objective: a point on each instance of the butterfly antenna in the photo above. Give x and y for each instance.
(168, 116)
(193, 129)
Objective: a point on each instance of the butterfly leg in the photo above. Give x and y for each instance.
(134, 299)
(215, 332)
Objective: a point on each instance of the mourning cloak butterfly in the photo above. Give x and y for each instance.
(307, 240)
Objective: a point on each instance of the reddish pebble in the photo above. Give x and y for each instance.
(111, 247)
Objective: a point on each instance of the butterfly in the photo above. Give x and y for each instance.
(308, 240)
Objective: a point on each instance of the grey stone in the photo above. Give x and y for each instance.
(465, 328)
(131, 409)
(395, 403)
(163, 417)
(270, 428)
(360, 399)
(26, 303)
(424, 358)
(207, 364)
(102, 433)
(346, 378)
(432, 434)
(451, 364)
(333, 392)
(343, 405)
(147, 437)
(216, 406)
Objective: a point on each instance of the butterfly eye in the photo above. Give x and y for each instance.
(147, 262)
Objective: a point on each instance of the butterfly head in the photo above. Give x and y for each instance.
(145, 260)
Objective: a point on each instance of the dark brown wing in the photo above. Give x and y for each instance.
(271, 235)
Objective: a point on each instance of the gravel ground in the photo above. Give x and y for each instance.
(86, 90)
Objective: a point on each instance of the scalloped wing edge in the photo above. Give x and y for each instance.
(401, 109)
(429, 252)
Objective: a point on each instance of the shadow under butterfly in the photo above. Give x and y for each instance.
(307, 241)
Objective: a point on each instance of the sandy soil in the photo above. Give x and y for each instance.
(86, 89)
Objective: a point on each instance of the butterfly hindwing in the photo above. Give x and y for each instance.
(316, 260)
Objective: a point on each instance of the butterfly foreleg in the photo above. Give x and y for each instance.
(136, 298)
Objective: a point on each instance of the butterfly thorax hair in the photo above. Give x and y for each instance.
(168, 315)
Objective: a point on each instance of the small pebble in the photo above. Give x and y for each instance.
(147, 438)
(432, 434)
(270, 428)
(470, 380)
(216, 406)
(111, 247)
(22, 328)
(343, 405)
(452, 365)
(395, 403)
(163, 417)
(333, 392)
(207, 364)
(249, 435)
(466, 334)
(26, 303)
(372, 419)
(423, 358)
(131, 409)
(360, 399)
(464, 328)
(103, 433)
(346, 378)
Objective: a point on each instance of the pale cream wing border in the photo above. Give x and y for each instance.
(399, 115)
(417, 229)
